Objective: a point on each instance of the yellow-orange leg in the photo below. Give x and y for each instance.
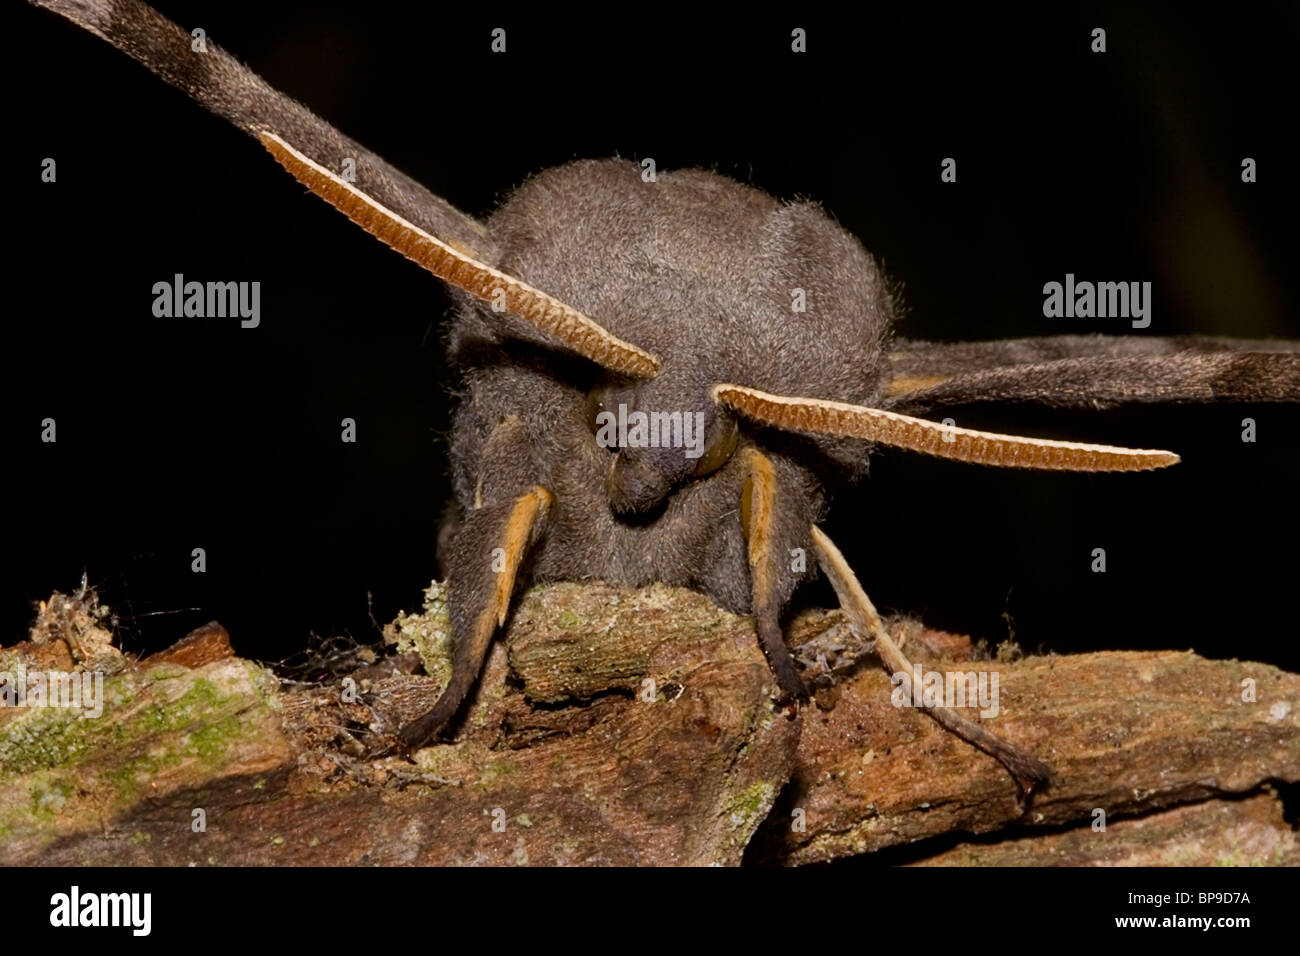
(757, 506)
(481, 598)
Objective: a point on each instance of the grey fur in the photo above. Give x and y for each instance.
(698, 269)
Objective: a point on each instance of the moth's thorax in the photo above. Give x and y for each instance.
(719, 280)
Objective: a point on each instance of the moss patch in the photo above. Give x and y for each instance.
(428, 634)
(160, 727)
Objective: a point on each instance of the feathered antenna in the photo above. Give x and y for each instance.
(820, 417)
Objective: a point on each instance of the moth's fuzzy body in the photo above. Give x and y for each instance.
(701, 271)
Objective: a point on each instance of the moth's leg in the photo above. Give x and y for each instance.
(758, 521)
(491, 542)
(1029, 773)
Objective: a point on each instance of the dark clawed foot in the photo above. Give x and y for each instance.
(428, 726)
(792, 692)
(1032, 776)
(416, 734)
(389, 749)
(403, 745)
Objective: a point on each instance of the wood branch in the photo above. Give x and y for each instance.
(1123, 732)
(1251, 831)
(618, 727)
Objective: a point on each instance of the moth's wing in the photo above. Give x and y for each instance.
(376, 196)
(914, 359)
(1091, 371)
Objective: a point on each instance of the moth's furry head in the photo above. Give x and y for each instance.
(720, 280)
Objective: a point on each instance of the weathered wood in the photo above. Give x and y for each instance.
(682, 773)
(1125, 732)
(614, 727)
(1251, 831)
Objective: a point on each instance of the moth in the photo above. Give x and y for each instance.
(642, 402)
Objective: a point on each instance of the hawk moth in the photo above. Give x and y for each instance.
(674, 298)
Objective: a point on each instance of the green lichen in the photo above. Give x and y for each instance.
(153, 720)
(428, 634)
(493, 772)
(441, 760)
(48, 798)
(746, 809)
(49, 737)
(208, 744)
(568, 619)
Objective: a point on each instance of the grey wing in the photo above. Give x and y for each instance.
(1091, 371)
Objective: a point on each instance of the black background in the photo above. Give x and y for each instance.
(1084, 901)
(175, 434)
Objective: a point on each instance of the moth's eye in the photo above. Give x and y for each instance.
(602, 415)
(723, 436)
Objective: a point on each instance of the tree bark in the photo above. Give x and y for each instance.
(620, 726)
